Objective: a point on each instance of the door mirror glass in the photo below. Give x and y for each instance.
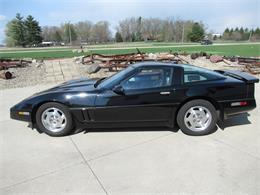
(119, 90)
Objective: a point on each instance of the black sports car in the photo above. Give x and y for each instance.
(144, 94)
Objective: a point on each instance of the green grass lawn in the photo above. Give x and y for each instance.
(228, 50)
(247, 50)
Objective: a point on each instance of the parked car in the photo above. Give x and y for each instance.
(143, 94)
(206, 42)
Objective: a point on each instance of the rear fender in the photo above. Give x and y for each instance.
(218, 107)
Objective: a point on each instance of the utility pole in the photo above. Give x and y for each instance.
(251, 31)
(250, 35)
(182, 36)
(70, 34)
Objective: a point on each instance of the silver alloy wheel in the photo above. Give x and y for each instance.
(54, 120)
(197, 118)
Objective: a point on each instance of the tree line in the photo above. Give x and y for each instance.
(143, 29)
(27, 31)
(128, 30)
(81, 32)
(241, 34)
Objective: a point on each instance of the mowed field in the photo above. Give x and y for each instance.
(228, 49)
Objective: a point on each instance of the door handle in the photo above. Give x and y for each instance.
(165, 93)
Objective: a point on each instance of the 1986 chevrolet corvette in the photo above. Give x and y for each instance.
(143, 94)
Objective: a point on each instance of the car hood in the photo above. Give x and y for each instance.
(85, 85)
(69, 92)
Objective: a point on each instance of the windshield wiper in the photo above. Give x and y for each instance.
(98, 82)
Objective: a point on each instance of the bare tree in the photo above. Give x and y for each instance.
(52, 33)
(128, 28)
(69, 33)
(178, 30)
(100, 32)
(83, 30)
(152, 28)
(168, 30)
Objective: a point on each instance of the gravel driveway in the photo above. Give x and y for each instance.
(48, 72)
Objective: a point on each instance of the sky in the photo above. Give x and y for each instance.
(216, 14)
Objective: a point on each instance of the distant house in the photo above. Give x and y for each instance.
(216, 35)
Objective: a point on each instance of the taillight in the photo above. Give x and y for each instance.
(239, 103)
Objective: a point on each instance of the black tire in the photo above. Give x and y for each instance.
(211, 127)
(69, 122)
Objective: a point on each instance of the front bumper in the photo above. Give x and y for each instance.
(21, 115)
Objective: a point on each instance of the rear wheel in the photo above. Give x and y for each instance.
(197, 117)
(54, 119)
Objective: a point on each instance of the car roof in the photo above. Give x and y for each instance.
(152, 63)
(182, 66)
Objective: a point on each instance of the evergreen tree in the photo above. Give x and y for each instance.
(255, 34)
(197, 33)
(118, 37)
(257, 31)
(226, 34)
(138, 36)
(241, 30)
(244, 33)
(133, 37)
(15, 32)
(33, 31)
(226, 30)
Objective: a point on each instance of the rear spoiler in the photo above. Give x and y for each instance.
(248, 78)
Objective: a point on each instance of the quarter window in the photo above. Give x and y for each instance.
(196, 74)
(149, 78)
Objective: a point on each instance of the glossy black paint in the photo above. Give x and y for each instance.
(105, 107)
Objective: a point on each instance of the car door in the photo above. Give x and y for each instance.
(148, 96)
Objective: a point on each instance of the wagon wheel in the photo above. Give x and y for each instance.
(8, 75)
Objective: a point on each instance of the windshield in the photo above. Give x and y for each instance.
(114, 79)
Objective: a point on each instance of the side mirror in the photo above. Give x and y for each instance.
(119, 90)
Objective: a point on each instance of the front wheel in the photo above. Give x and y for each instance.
(54, 119)
(197, 117)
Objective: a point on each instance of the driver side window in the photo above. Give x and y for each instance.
(149, 78)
